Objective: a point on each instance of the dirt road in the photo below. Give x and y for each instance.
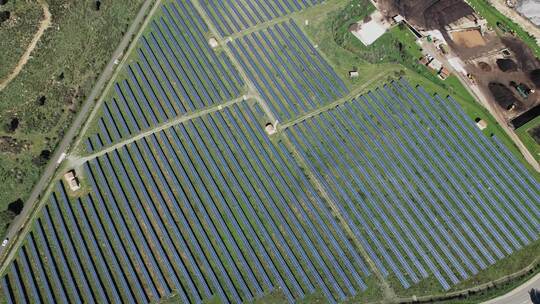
(43, 25)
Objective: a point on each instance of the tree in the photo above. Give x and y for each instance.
(535, 296)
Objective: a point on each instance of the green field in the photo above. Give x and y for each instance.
(16, 33)
(525, 135)
(53, 84)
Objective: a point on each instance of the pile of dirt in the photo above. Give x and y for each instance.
(507, 65)
(523, 53)
(485, 67)
(534, 75)
(502, 95)
(429, 14)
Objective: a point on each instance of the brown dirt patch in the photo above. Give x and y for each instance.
(484, 66)
(468, 38)
(9, 144)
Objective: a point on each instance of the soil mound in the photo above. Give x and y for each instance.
(484, 66)
(535, 77)
(507, 65)
(502, 95)
(431, 14)
(523, 53)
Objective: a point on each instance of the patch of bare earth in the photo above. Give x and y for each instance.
(43, 25)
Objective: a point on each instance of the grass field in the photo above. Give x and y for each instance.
(16, 33)
(527, 138)
(52, 85)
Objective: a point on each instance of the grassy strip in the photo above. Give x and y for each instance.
(17, 32)
(527, 139)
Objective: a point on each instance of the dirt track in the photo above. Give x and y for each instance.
(43, 25)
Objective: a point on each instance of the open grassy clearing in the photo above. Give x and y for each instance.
(49, 90)
(17, 32)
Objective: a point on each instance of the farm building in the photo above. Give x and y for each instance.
(72, 180)
(480, 123)
(435, 65)
(213, 42)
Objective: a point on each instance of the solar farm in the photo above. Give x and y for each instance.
(186, 193)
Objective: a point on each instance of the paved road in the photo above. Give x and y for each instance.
(31, 204)
(519, 295)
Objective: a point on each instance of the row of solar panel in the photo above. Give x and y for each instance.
(234, 16)
(416, 179)
(289, 73)
(197, 209)
(176, 72)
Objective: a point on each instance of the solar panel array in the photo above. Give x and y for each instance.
(175, 72)
(289, 72)
(213, 208)
(429, 195)
(232, 16)
(206, 208)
